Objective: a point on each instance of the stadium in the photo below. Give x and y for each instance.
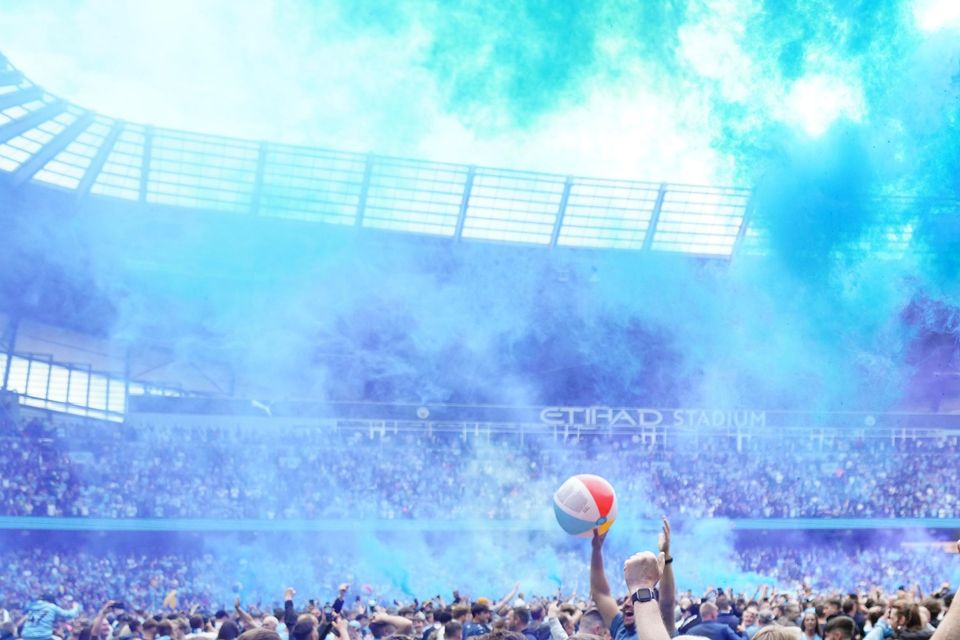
(275, 387)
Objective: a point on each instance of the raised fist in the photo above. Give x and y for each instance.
(643, 570)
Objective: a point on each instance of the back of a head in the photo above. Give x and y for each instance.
(459, 611)
(776, 632)
(452, 629)
(228, 631)
(165, 628)
(723, 603)
(591, 622)
(522, 614)
(933, 606)
(849, 607)
(377, 629)
(259, 634)
(196, 621)
(841, 624)
(910, 611)
(708, 611)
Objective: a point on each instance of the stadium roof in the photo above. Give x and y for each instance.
(48, 141)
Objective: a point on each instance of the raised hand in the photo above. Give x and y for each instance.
(553, 609)
(289, 593)
(663, 540)
(598, 539)
(643, 570)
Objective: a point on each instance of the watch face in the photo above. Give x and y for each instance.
(644, 595)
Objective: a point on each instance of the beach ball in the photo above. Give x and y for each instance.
(583, 502)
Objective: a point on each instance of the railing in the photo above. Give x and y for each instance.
(48, 141)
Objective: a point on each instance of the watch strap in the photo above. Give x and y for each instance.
(645, 595)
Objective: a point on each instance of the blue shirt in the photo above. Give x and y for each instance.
(619, 631)
(40, 618)
(475, 629)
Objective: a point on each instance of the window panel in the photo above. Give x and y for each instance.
(58, 384)
(77, 393)
(98, 392)
(18, 375)
(116, 398)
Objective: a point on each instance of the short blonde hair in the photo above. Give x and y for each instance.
(777, 632)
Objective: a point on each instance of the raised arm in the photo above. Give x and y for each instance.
(507, 598)
(599, 587)
(643, 571)
(668, 588)
(557, 632)
(289, 613)
(949, 628)
(72, 612)
(248, 621)
(402, 625)
(341, 595)
(98, 621)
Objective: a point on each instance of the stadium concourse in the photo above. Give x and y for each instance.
(169, 299)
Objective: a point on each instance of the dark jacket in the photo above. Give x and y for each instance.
(730, 619)
(688, 624)
(714, 630)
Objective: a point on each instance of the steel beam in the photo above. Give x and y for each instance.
(15, 127)
(364, 188)
(10, 77)
(48, 151)
(561, 211)
(99, 159)
(16, 98)
(145, 163)
(465, 202)
(654, 218)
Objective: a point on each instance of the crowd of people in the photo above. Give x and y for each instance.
(210, 570)
(160, 599)
(200, 471)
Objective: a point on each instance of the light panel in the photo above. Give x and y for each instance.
(513, 206)
(699, 220)
(422, 197)
(311, 184)
(607, 213)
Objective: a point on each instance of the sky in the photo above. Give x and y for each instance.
(820, 106)
(670, 90)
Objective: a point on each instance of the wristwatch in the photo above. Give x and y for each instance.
(645, 595)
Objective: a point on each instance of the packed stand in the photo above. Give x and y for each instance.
(209, 472)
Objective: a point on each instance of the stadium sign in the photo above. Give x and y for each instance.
(602, 416)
